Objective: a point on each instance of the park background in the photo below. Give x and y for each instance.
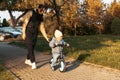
(92, 27)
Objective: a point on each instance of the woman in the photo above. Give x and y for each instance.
(33, 21)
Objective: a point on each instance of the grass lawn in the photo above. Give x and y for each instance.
(99, 49)
(5, 75)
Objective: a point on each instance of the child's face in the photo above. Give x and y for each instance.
(59, 38)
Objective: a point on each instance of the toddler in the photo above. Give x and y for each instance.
(57, 44)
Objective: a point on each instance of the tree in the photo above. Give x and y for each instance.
(7, 5)
(12, 5)
(90, 15)
(115, 9)
(23, 5)
(95, 15)
(70, 16)
(112, 11)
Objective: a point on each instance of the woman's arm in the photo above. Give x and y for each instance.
(42, 29)
(26, 20)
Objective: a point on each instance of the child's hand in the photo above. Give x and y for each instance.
(56, 44)
(68, 45)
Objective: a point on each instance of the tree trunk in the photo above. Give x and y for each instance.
(75, 26)
(57, 14)
(12, 18)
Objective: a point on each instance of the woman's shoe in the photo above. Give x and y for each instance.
(28, 62)
(34, 65)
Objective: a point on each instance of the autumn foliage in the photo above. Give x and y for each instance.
(71, 16)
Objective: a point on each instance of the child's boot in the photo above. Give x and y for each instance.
(53, 68)
(51, 61)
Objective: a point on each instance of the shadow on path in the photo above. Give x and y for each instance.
(74, 64)
(41, 63)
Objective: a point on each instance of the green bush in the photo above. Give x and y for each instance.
(5, 23)
(116, 26)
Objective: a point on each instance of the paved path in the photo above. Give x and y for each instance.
(13, 58)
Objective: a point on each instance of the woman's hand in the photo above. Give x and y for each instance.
(23, 36)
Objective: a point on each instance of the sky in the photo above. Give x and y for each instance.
(108, 1)
(5, 14)
(105, 1)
